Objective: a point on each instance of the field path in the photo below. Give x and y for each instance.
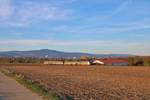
(11, 90)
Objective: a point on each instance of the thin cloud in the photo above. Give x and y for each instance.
(69, 43)
(116, 28)
(30, 12)
(52, 42)
(35, 11)
(114, 11)
(5, 9)
(121, 7)
(107, 46)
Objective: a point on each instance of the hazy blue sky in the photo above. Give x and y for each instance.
(96, 26)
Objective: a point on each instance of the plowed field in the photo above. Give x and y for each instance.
(90, 82)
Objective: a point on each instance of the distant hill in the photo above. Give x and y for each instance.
(54, 54)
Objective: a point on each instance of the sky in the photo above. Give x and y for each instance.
(94, 26)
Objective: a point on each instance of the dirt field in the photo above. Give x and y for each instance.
(90, 82)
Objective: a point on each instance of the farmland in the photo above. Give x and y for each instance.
(90, 82)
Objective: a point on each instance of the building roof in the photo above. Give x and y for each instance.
(110, 61)
(98, 62)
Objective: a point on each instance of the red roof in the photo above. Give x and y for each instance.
(110, 61)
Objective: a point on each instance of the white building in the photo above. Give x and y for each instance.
(53, 62)
(98, 62)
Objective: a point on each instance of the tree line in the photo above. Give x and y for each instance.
(139, 61)
(132, 61)
(12, 60)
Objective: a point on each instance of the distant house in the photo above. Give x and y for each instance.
(107, 62)
(76, 63)
(115, 62)
(97, 62)
(67, 62)
(53, 62)
(110, 62)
